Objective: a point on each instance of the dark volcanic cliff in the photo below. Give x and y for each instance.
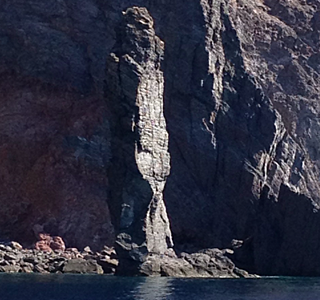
(205, 116)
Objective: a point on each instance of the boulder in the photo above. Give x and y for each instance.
(57, 243)
(27, 269)
(87, 250)
(9, 256)
(108, 251)
(43, 246)
(15, 245)
(56, 266)
(44, 237)
(10, 269)
(41, 268)
(108, 265)
(82, 266)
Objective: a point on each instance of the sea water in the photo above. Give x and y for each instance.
(86, 287)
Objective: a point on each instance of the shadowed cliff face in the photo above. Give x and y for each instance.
(241, 102)
(54, 153)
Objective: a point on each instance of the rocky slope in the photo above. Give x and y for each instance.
(202, 113)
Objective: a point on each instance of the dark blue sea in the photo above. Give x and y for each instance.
(86, 287)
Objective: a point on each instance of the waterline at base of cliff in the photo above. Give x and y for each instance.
(208, 263)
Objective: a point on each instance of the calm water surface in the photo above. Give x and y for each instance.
(85, 287)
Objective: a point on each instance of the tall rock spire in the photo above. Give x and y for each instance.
(141, 161)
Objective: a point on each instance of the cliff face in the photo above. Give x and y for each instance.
(204, 115)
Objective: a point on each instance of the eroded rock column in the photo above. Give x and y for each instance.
(141, 161)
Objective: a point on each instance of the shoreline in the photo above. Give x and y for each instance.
(15, 259)
(207, 263)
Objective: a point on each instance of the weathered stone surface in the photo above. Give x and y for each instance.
(208, 263)
(82, 266)
(9, 256)
(15, 245)
(108, 265)
(27, 269)
(140, 140)
(48, 169)
(41, 268)
(68, 261)
(57, 244)
(241, 101)
(10, 269)
(87, 250)
(43, 246)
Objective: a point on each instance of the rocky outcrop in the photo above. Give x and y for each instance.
(141, 161)
(206, 263)
(233, 98)
(15, 259)
(47, 243)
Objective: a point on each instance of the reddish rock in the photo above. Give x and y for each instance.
(68, 255)
(43, 246)
(44, 237)
(57, 243)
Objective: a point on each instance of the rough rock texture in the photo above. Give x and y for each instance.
(141, 162)
(225, 127)
(81, 266)
(54, 133)
(241, 102)
(207, 263)
(15, 259)
(48, 244)
(54, 151)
